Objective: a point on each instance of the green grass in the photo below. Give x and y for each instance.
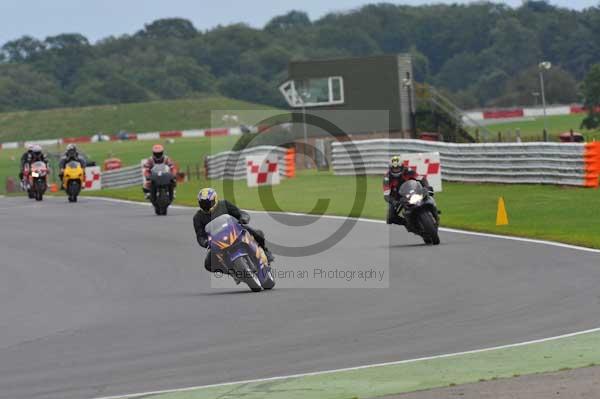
(110, 119)
(531, 130)
(567, 353)
(564, 214)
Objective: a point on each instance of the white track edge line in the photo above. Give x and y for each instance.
(366, 220)
(317, 373)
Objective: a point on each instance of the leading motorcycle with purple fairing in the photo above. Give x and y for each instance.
(236, 249)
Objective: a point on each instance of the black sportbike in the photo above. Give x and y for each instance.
(419, 210)
(161, 188)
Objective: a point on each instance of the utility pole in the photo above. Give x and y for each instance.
(544, 66)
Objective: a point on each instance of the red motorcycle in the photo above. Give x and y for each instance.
(36, 177)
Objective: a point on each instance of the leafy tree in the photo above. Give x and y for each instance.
(559, 87)
(65, 54)
(354, 40)
(23, 88)
(23, 49)
(113, 89)
(420, 64)
(249, 88)
(514, 46)
(67, 42)
(169, 28)
(591, 94)
(459, 71)
(292, 20)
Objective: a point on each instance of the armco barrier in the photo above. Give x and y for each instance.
(124, 177)
(232, 164)
(549, 163)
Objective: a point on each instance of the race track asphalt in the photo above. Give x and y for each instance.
(100, 298)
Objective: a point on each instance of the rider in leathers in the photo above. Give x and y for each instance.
(396, 175)
(211, 208)
(70, 154)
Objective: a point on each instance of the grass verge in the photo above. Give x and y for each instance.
(532, 130)
(566, 353)
(110, 119)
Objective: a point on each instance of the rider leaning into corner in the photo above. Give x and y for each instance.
(392, 180)
(70, 154)
(158, 157)
(210, 208)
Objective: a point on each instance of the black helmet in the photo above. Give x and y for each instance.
(158, 152)
(71, 150)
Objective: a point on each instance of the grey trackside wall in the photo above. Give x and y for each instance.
(124, 177)
(548, 163)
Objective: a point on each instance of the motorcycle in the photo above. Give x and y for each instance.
(37, 176)
(419, 210)
(161, 188)
(73, 179)
(236, 249)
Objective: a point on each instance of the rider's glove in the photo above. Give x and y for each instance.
(244, 218)
(430, 191)
(203, 241)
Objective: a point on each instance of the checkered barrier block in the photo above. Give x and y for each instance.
(93, 178)
(262, 170)
(426, 165)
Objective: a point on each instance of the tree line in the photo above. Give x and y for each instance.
(480, 54)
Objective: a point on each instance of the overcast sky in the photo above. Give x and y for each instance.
(97, 19)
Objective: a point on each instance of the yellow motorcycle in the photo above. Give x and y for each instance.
(73, 179)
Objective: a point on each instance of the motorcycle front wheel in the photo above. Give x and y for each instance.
(245, 272)
(430, 229)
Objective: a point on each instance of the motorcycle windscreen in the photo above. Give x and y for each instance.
(161, 175)
(39, 169)
(38, 166)
(410, 187)
(224, 231)
(74, 164)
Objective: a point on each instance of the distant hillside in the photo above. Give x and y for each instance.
(110, 119)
